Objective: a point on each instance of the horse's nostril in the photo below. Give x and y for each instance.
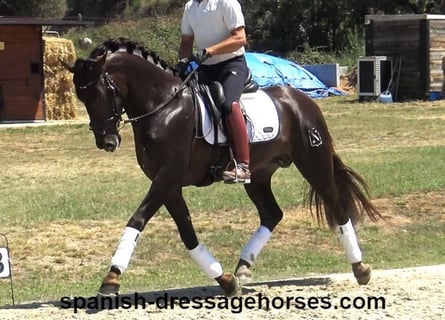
(110, 147)
(111, 143)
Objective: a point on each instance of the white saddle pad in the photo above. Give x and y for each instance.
(261, 114)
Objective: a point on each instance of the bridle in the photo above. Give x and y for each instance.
(115, 92)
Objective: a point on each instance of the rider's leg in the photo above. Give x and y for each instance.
(239, 142)
(233, 75)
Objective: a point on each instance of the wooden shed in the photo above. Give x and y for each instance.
(416, 41)
(21, 68)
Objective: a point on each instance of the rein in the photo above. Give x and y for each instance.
(162, 105)
(182, 86)
(114, 89)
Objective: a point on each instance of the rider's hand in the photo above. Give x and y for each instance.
(187, 65)
(182, 66)
(201, 56)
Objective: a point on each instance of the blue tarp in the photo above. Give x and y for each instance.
(269, 70)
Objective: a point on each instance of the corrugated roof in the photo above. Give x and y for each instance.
(41, 21)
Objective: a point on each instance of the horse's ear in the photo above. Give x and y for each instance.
(100, 62)
(68, 66)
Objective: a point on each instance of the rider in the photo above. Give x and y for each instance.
(217, 27)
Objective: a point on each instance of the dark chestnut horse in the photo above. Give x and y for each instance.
(121, 76)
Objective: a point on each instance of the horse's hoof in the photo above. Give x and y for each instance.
(230, 284)
(244, 275)
(108, 290)
(362, 273)
(110, 285)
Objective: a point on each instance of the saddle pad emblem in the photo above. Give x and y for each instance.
(261, 114)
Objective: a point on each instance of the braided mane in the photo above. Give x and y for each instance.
(131, 47)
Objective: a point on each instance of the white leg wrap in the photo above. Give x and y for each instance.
(123, 253)
(256, 243)
(206, 261)
(348, 239)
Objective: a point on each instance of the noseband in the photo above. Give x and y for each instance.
(113, 91)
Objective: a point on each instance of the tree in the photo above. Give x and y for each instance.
(276, 25)
(272, 25)
(100, 8)
(293, 25)
(33, 8)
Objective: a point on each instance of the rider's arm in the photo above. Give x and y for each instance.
(185, 46)
(236, 40)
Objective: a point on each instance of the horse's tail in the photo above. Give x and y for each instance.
(353, 196)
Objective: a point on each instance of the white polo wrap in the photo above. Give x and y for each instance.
(206, 261)
(121, 257)
(256, 243)
(348, 239)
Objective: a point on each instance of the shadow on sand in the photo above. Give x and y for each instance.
(163, 298)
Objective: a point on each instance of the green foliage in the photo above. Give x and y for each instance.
(33, 8)
(353, 47)
(160, 34)
(293, 25)
(311, 56)
(101, 10)
(98, 8)
(284, 27)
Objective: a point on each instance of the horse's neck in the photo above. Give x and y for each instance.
(150, 89)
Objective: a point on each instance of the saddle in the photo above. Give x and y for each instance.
(213, 93)
(212, 96)
(259, 111)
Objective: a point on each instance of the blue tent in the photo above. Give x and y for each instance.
(269, 70)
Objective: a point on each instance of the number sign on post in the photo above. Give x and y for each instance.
(5, 265)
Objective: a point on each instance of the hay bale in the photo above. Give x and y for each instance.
(64, 103)
(60, 98)
(443, 82)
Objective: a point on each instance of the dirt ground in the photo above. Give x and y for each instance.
(414, 293)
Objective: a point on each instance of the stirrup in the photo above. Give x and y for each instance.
(239, 174)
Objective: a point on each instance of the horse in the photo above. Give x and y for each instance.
(122, 76)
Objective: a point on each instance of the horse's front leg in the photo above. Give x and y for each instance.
(121, 258)
(177, 208)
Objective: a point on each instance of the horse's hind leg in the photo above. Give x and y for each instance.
(334, 189)
(260, 192)
(348, 239)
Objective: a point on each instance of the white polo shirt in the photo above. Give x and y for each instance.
(210, 22)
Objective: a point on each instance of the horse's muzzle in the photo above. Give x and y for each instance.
(108, 142)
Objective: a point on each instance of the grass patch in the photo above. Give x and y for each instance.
(65, 203)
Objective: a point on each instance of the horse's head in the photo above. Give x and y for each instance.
(102, 99)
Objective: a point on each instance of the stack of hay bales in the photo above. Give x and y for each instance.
(59, 89)
(443, 81)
